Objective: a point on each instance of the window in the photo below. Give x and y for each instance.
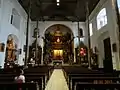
(90, 28)
(101, 18)
(11, 21)
(15, 19)
(0, 3)
(118, 2)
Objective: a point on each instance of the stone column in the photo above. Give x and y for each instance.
(74, 50)
(42, 46)
(42, 56)
(27, 34)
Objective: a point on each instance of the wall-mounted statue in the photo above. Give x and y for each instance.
(35, 55)
(11, 55)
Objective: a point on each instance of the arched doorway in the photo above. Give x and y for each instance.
(58, 44)
(11, 55)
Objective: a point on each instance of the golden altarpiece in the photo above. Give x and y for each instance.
(58, 47)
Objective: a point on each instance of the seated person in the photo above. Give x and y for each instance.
(20, 78)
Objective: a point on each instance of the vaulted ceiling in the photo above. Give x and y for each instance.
(68, 10)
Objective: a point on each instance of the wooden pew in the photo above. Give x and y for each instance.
(80, 86)
(92, 80)
(15, 86)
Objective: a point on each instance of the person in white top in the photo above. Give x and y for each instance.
(20, 78)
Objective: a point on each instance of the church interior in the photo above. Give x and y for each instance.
(60, 44)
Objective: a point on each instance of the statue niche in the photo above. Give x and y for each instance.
(82, 55)
(11, 53)
(33, 54)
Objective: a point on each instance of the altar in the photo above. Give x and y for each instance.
(57, 62)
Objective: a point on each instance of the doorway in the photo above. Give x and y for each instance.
(108, 67)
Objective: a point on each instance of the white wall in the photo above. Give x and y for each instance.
(44, 25)
(6, 28)
(109, 30)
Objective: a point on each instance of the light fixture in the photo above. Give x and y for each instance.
(58, 4)
(58, 1)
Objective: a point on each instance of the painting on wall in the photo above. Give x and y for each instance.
(2, 46)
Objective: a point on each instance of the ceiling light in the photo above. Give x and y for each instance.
(58, 4)
(58, 1)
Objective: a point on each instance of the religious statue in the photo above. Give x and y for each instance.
(11, 55)
(10, 50)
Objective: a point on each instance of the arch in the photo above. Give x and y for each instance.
(14, 37)
(52, 28)
(58, 39)
(11, 55)
(101, 18)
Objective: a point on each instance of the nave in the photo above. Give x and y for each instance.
(60, 44)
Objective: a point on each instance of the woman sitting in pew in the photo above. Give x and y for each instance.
(20, 78)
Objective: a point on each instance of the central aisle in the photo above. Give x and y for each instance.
(57, 81)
